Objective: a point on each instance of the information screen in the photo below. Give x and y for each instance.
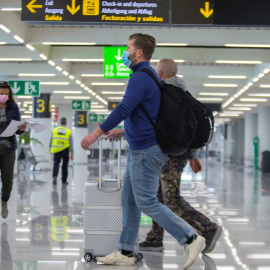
(97, 11)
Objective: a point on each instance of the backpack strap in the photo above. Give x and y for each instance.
(153, 76)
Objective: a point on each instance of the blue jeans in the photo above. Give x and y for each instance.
(140, 195)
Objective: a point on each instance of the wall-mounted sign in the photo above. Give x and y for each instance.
(25, 88)
(112, 105)
(113, 66)
(97, 11)
(96, 117)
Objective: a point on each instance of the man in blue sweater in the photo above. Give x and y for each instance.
(145, 159)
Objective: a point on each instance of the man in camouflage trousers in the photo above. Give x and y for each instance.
(170, 180)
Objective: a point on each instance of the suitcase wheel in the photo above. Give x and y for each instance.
(139, 257)
(88, 257)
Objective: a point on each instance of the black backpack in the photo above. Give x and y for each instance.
(183, 122)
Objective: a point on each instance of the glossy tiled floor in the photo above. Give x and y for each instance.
(41, 231)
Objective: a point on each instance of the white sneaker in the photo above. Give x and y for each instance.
(192, 250)
(116, 258)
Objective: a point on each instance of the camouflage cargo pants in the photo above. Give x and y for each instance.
(169, 194)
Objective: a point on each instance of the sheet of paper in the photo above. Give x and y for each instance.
(36, 125)
(11, 129)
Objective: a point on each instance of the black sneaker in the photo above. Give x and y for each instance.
(156, 245)
(54, 181)
(211, 239)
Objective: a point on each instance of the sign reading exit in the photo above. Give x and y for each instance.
(81, 105)
(25, 88)
(113, 66)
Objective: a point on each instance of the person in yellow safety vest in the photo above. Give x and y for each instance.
(61, 144)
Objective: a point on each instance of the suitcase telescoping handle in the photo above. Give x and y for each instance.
(101, 138)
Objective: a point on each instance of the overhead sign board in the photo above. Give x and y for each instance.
(112, 105)
(96, 117)
(192, 12)
(25, 88)
(113, 66)
(81, 105)
(97, 11)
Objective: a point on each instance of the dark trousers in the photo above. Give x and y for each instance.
(57, 157)
(7, 161)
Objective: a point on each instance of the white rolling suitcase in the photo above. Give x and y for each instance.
(102, 213)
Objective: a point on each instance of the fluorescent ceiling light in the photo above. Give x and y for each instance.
(92, 75)
(259, 95)
(99, 110)
(108, 84)
(255, 79)
(65, 73)
(238, 62)
(97, 106)
(115, 98)
(82, 60)
(3, 43)
(16, 59)
(172, 44)
(80, 97)
(43, 56)
(51, 63)
(219, 85)
(254, 99)
(264, 85)
(71, 77)
(26, 116)
(175, 60)
(258, 256)
(66, 92)
(226, 77)
(58, 68)
(180, 76)
(18, 39)
(210, 99)
(245, 105)
(228, 115)
(69, 43)
(37, 74)
(11, 9)
(112, 92)
(231, 112)
(54, 83)
(24, 97)
(4, 28)
(213, 94)
(248, 45)
(239, 109)
(31, 48)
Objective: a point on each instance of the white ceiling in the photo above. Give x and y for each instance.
(205, 47)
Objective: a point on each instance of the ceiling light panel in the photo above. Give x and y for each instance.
(213, 94)
(226, 77)
(219, 85)
(259, 95)
(240, 62)
(107, 84)
(254, 99)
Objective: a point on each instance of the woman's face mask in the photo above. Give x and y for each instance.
(3, 98)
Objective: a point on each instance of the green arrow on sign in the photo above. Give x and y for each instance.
(81, 105)
(25, 88)
(96, 117)
(113, 66)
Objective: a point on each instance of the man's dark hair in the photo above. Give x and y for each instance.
(145, 42)
(6, 85)
(63, 121)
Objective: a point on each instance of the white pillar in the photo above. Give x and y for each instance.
(251, 131)
(263, 130)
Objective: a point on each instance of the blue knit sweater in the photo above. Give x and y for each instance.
(13, 113)
(141, 89)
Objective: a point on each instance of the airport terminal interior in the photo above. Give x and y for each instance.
(63, 59)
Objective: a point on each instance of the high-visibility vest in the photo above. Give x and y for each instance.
(60, 139)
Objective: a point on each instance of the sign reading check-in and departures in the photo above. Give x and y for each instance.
(96, 11)
(25, 88)
(113, 66)
(81, 105)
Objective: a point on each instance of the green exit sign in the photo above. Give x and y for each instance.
(96, 117)
(81, 105)
(25, 88)
(113, 66)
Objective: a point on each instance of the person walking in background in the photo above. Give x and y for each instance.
(170, 180)
(60, 145)
(8, 111)
(145, 158)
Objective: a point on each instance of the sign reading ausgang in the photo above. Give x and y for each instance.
(81, 105)
(113, 66)
(119, 11)
(25, 88)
